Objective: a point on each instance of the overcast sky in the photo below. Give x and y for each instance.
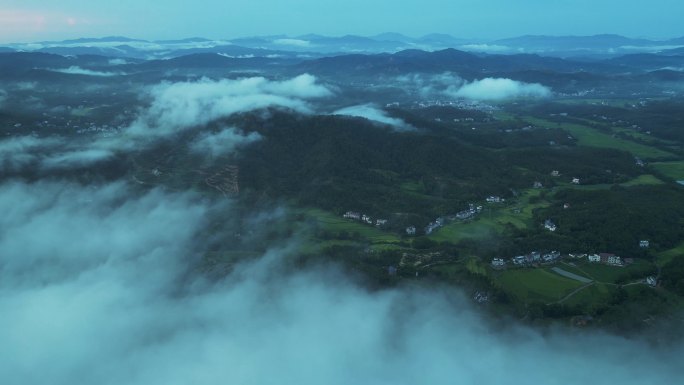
(31, 20)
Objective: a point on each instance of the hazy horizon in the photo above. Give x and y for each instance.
(34, 20)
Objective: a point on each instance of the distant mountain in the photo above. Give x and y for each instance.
(589, 48)
(649, 62)
(596, 46)
(675, 51)
(392, 36)
(573, 42)
(453, 60)
(441, 39)
(116, 51)
(108, 39)
(183, 41)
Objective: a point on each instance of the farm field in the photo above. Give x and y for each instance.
(536, 284)
(587, 136)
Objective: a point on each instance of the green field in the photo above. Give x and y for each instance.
(457, 231)
(573, 269)
(595, 294)
(641, 180)
(493, 220)
(336, 223)
(536, 284)
(674, 170)
(611, 274)
(667, 256)
(587, 136)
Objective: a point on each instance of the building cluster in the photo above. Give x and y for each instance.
(460, 104)
(364, 218)
(463, 215)
(606, 259)
(536, 257)
(494, 199)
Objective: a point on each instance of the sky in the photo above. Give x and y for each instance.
(37, 20)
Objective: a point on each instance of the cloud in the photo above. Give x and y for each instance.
(26, 86)
(486, 48)
(293, 42)
(100, 285)
(499, 89)
(77, 158)
(118, 62)
(375, 114)
(222, 142)
(75, 70)
(49, 153)
(429, 85)
(19, 152)
(178, 106)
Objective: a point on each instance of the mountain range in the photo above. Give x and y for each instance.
(312, 45)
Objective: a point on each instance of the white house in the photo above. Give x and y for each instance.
(411, 230)
(575, 181)
(498, 262)
(494, 199)
(594, 258)
(352, 215)
(644, 244)
(549, 225)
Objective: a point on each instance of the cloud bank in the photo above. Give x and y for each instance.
(178, 106)
(100, 285)
(222, 142)
(499, 89)
(49, 153)
(75, 70)
(430, 85)
(371, 112)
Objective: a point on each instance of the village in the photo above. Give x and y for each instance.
(463, 215)
(536, 258)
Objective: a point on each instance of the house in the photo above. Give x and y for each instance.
(575, 181)
(380, 222)
(498, 262)
(555, 173)
(610, 259)
(538, 184)
(644, 244)
(549, 225)
(367, 219)
(411, 230)
(494, 199)
(536, 256)
(519, 260)
(566, 206)
(652, 281)
(594, 258)
(352, 215)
